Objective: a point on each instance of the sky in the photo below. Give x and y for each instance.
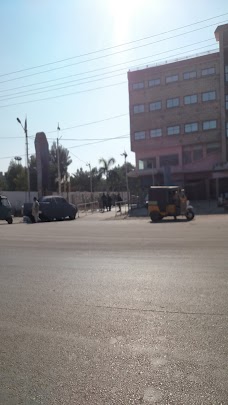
(66, 62)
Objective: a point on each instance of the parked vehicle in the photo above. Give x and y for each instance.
(5, 210)
(52, 207)
(164, 201)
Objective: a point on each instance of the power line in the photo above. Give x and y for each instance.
(99, 69)
(78, 146)
(62, 95)
(60, 88)
(82, 91)
(32, 137)
(11, 137)
(101, 141)
(110, 54)
(10, 157)
(78, 158)
(113, 47)
(90, 123)
(97, 75)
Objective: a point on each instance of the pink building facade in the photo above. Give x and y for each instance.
(179, 122)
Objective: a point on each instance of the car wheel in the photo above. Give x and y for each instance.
(10, 220)
(72, 217)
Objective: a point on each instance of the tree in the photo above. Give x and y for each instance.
(2, 182)
(65, 161)
(80, 181)
(106, 166)
(16, 177)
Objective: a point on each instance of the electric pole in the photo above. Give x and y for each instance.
(25, 129)
(125, 160)
(91, 181)
(58, 161)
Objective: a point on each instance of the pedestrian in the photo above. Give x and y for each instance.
(119, 199)
(35, 209)
(104, 201)
(109, 202)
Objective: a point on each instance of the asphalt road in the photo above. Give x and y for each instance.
(112, 312)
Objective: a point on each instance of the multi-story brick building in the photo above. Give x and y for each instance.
(179, 122)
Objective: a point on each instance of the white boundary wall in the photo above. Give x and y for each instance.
(18, 198)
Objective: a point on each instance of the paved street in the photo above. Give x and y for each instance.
(112, 312)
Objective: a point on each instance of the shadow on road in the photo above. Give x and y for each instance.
(170, 220)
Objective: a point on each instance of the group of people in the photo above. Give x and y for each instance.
(107, 201)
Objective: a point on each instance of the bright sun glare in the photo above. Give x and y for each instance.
(123, 11)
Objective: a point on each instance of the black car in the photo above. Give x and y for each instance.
(52, 207)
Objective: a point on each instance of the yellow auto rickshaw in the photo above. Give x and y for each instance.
(164, 201)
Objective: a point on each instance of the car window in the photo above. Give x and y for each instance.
(5, 202)
(47, 199)
(61, 201)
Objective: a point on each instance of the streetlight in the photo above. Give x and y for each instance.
(18, 159)
(27, 157)
(91, 181)
(125, 160)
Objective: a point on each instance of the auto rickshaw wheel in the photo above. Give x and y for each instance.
(189, 215)
(10, 220)
(155, 216)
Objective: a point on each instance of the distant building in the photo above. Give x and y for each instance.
(179, 122)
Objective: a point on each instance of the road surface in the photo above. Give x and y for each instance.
(112, 312)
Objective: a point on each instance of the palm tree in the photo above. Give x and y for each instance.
(106, 166)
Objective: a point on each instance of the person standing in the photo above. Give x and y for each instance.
(104, 201)
(35, 209)
(109, 202)
(119, 199)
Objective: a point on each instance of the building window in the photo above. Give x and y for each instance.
(209, 96)
(169, 160)
(172, 102)
(154, 133)
(209, 125)
(187, 157)
(139, 108)
(193, 127)
(226, 73)
(191, 99)
(208, 71)
(189, 75)
(198, 153)
(155, 106)
(154, 82)
(173, 130)
(137, 86)
(213, 147)
(146, 164)
(227, 102)
(140, 135)
(171, 79)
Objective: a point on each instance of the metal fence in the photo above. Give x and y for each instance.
(87, 208)
(121, 208)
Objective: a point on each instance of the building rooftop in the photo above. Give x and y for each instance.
(164, 62)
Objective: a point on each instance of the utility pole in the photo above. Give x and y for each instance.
(25, 129)
(91, 181)
(125, 161)
(58, 161)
